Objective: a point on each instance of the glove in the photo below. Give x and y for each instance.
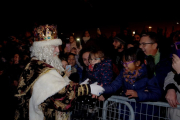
(85, 82)
(96, 89)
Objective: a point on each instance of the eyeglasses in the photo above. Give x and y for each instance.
(126, 63)
(145, 43)
(94, 59)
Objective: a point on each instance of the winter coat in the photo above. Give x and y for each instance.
(102, 72)
(141, 85)
(147, 90)
(79, 71)
(162, 68)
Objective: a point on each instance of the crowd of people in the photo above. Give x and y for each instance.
(145, 66)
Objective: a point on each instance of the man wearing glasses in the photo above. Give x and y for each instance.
(149, 44)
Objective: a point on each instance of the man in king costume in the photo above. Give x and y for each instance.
(44, 91)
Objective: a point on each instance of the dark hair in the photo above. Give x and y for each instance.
(176, 36)
(72, 36)
(85, 31)
(135, 53)
(84, 50)
(63, 58)
(137, 34)
(71, 54)
(153, 37)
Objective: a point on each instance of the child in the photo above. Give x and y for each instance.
(137, 78)
(100, 68)
(71, 59)
(72, 74)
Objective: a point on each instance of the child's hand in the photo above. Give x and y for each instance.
(131, 93)
(68, 73)
(94, 96)
(101, 98)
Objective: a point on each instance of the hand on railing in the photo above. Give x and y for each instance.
(131, 93)
(101, 98)
(171, 97)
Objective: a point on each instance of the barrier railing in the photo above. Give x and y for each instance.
(122, 108)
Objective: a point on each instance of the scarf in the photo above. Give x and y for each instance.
(86, 39)
(132, 77)
(157, 57)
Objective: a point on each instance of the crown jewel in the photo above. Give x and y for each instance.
(46, 32)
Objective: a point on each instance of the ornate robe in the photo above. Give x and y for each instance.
(43, 94)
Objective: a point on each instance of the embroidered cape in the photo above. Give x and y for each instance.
(60, 101)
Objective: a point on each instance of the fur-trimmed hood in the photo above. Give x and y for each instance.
(55, 42)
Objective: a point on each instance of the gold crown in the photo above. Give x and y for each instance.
(45, 32)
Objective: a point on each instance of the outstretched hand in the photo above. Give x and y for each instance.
(95, 94)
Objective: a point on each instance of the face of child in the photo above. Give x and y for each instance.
(64, 63)
(94, 60)
(16, 58)
(128, 65)
(71, 60)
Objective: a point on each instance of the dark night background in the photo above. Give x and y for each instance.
(77, 15)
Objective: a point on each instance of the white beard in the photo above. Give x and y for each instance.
(55, 62)
(46, 54)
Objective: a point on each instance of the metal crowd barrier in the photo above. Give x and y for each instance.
(122, 108)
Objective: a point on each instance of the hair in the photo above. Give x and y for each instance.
(97, 53)
(153, 37)
(137, 34)
(85, 31)
(63, 58)
(83, 50)
(134, 43)
(176, 36)
(71, 54)
(135, 53)
(72, 36)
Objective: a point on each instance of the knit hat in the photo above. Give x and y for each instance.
(120, 40)
(46, 35)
